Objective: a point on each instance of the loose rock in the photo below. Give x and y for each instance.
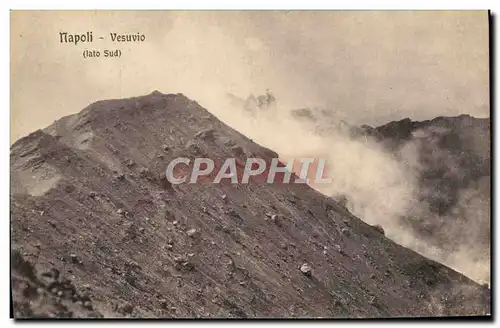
(191, 232)
(379, 228)
(306, 269)
(74, 258)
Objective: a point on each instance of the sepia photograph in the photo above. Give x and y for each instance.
(250, 164)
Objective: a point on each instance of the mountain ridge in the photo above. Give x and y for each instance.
(87, 200)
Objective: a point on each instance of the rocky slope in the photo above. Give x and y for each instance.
(97, 231)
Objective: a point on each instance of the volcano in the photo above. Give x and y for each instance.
(97, 232)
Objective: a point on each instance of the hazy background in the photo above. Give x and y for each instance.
(365, 67)
(368, 67)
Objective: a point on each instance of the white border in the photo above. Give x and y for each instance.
(145, 4)
(259, 4)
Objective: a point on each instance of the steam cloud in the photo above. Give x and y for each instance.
(382, 187)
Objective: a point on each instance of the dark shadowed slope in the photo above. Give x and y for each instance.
(446, 163)
(88, 200)
(453, 165)
(453, 153)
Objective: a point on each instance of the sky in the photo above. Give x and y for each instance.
(369, 67)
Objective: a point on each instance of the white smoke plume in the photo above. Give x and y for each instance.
(380, 187)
